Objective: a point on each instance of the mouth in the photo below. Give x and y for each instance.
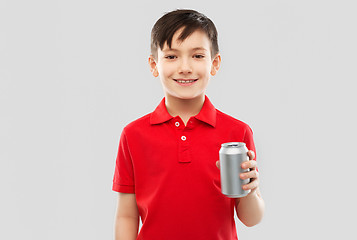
(185, 81)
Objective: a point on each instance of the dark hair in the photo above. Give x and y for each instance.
(165, 28)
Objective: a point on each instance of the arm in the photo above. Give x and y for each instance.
(250, 209)
(127, 217)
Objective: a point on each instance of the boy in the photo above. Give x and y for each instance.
(167, 171)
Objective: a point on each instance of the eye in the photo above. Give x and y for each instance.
(199, 56)
(170, 57)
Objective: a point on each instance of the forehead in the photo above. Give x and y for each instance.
(198, 39)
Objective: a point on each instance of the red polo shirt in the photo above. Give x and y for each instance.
(172, 170)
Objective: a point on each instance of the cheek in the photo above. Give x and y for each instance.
(166, 70)
(205, 66)
(205, 69)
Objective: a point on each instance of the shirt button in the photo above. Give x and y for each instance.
(183, 138)
(177, 124)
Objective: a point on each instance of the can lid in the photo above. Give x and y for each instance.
(233, 144)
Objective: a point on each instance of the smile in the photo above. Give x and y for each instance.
(185, 81)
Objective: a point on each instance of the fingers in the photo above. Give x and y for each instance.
(253, 174)
(217, 164)
(252, 185)
(251, 155)
(254, 180)
(250, 174)
(252, 164)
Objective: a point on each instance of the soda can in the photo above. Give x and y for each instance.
(231, 156)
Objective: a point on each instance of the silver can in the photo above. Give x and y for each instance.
(231, 156)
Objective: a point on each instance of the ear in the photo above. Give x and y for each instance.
(216, 63)
(153, 66)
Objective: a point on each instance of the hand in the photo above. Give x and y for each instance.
(252, 174)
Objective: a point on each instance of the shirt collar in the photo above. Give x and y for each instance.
(207, 113)
(160, 114)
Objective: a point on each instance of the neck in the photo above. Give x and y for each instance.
(185, 108)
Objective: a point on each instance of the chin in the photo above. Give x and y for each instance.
(189, 96)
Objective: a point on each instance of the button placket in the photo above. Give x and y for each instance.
(184, 155)
(183, 140)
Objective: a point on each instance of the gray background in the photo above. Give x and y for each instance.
(74, 73)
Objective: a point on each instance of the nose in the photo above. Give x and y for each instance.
(185, 66)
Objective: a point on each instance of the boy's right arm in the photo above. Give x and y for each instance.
(127, 217)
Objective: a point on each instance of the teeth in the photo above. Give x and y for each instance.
(185, 81)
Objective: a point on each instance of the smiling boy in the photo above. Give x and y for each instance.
(166, 168)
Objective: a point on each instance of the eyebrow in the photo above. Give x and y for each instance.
(176, 50)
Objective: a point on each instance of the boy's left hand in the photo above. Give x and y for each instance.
(252, 174)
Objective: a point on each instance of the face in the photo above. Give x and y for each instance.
(186, 67)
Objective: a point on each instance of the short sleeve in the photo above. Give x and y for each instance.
(123, 180)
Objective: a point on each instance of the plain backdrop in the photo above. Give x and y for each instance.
(73, 73)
